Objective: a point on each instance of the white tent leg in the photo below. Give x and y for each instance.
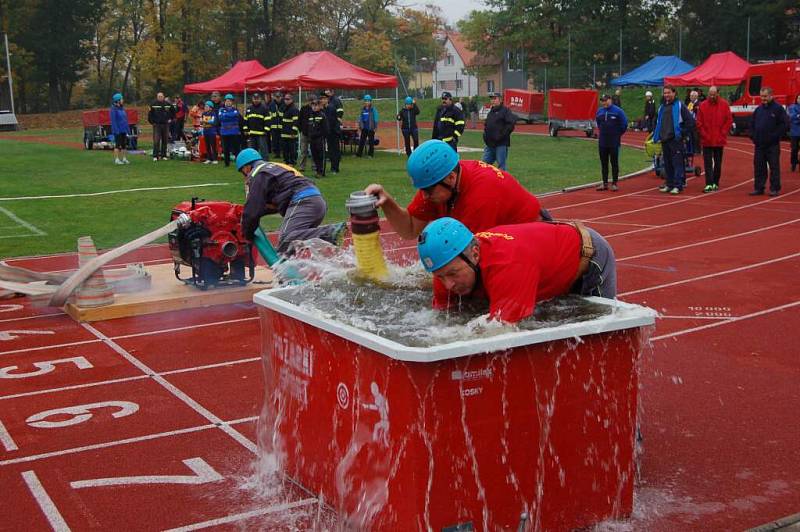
(397, 112)
(299, 106)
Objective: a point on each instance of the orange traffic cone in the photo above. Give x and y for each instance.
(94, 292)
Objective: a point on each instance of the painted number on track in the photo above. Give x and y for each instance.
(44, 367)
(203, 473)
(79, 414)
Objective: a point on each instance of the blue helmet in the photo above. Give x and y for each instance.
(209, 103)
(229, 96)
(367, 98)
(430, 163)
(116, 98)
(247, 156)
(409, 100)
(441, 241)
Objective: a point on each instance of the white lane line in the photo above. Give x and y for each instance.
(6, 439)
(246, 515)
(711, 241)
(624, 223)
(126, 441)
(128, 379)
(47, 505)
(704, 217)
(43, 347)
(710, 275)
(174, 390)
(29, 226)
(32, 317)
(715, 318)
(185, 328)
(107, 192)
(726, 321)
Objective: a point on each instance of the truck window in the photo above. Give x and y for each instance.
(754, 88)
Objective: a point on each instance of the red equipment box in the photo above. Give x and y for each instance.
(401, 438)
(101, 117)
(572, 104)
(526, 105)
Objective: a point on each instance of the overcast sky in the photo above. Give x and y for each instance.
(454, 10)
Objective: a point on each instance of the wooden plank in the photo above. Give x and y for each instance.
(166, 293)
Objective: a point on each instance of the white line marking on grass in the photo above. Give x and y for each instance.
(246, 515)
(47, 505)
(107, 192)
(703, 242)
(726, 321)
(174, 390)
(711, 275)
(29, 226)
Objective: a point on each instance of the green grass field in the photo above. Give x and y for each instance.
(28, 169)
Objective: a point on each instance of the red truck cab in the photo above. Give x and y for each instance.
(782, 76)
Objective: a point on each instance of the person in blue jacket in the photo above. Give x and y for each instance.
(209, 120)
(230, 128)
(794, 131)
(367, 123)
(611, 125)
(673, 125)
(120, 129)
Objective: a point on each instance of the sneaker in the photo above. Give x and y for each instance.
(155, 159)
(774, 193)
(206, 162)
(663, 188)
(125, 161)
(756, 193)
(214, 162)
(709, 188)
(602, 187)
(614, 187)
(117, 161)
(675, 190)
(716, 187)
(339, 233)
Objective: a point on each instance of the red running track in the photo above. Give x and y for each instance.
(150, 423)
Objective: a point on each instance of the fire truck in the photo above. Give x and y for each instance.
(782, 76)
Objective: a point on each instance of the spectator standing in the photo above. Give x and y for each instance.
(334, 112)
(317, 133)
(767, 125)
(611, 125)
(290, 128)
(408, 123)
(459, 105)
(159, 116)
(674, 122)
(500, 122)
(448, 125)
(649, 111)
(794, 131)
(210, 120)
(305, 113)
(120, 129)
(257, 126)
(617, 98)
(714, 120)
(473, 112)
(275, 113)
(180, 119)
(216, 100)
(196, 117)
(368, 124)
(230, 129)
(693, 106)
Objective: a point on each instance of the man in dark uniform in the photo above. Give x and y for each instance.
(275, 113)
(317, 129)
(448, 125)
(768, 124)
(257, 127)
(159, 116)
(334, 112)
(290, 129)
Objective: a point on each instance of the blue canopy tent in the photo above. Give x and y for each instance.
(654, 71)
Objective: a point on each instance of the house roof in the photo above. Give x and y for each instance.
(467, 55)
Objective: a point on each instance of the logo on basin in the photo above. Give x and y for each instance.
(342, 395)
(471, 375)
(380, 431)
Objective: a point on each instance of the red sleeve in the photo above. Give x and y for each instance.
(512, 290)
(421, 209)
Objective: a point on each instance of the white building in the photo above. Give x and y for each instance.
(449, 72)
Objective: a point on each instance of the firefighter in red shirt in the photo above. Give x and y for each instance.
(516, 266)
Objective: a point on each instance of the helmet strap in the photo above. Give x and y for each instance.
(451, 203)
(474, 267)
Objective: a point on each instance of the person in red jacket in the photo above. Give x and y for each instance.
(714, 120)
(516, 266)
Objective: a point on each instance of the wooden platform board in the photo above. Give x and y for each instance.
(166, 293)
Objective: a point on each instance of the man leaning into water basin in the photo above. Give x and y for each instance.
(516, 266)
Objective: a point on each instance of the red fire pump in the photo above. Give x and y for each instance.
(210, 241)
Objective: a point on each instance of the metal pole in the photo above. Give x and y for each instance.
(10, 82)
(620, 52)
(680, 41)
(545, 79)
(748, 39)
(397, 112)
(569, 59)
(594, 74)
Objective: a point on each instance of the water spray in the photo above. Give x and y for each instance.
(366, 233)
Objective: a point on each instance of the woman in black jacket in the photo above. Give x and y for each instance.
(408, 123)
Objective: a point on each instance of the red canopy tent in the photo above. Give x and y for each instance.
(317, 70)
(725, 68)
(231, 81)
